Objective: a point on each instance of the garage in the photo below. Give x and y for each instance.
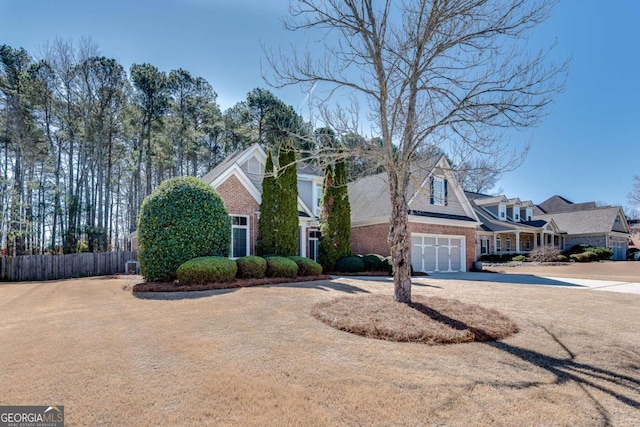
(438, 253)
(619, 250)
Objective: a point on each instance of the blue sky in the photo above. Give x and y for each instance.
(587, 149)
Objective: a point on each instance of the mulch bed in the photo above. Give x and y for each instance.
(238, 283)
(428, 320)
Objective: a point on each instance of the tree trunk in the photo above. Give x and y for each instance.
(399, 240)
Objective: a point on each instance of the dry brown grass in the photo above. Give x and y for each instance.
(256, 356)
(430, 320)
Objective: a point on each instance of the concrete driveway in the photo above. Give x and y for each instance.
(532, 279)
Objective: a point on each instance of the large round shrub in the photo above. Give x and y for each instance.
(373, 262)
(278, 266)
(184, 218)
(306, 266)
(350, 264)
(251, 267)
(199, 271)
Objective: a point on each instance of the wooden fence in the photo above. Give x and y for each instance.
(53, 267)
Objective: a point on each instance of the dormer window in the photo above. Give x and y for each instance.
(516, 214)
(438, 191)
(529, 213)
(502, 212)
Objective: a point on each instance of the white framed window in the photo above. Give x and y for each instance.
(484, 246)
(314, 244)
(529, 213)
(508, 244)
(438, 191)
(239, 236)
(516, 213)
(527, 244)
(318, 198)
(498, 244)
(502, 212)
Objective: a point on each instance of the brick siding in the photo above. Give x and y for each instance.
(373, 238)
(239, 201)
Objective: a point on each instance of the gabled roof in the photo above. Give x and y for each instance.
(490, 223)
(369, 196)
(596, 220)
(253, 182)
(555, 204)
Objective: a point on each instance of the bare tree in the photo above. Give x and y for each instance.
(634, 195)
(437, 75)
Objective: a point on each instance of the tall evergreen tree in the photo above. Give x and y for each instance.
(287, 212)
(335, 217)
(267, 227)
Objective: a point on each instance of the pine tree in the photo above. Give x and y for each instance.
(335, 217)
(267, 227)
(287, 211)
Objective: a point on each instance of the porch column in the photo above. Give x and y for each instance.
(303, 240)
(517, 241)
(543, 237)
(495, 243)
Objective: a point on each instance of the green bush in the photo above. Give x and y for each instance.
(584, 257)
(519, 258)
(562, 258)
(350, 264)
(251, 267)
(491, 258)
(373, 262)
(387, 265)
(601, 252)
(306, 266)
(575, 249)
(184, 218)
(278, 266)
(199, 271)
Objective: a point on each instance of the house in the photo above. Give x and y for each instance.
(442, 223)
(238, 180)
(634, 240)
(588, 224)
(509, 226)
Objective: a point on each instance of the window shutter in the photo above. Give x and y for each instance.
(446, 192)
(431, 190)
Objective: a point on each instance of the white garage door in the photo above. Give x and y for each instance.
(619, 251)
(437, 252)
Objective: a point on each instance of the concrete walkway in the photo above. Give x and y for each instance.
(530, 279)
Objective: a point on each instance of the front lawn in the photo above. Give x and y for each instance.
(257, 356)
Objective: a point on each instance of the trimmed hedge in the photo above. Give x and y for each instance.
(519, 258)
(601, 252)
(184, 218)
(350, 264)
(278, 266)
(199, 271)
(584, 257)
(251, 267)
(306, 266)
(387, 265)
(373, 262)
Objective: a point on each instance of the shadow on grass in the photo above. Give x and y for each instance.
(172, 296)
(566, 370)
(587, 377)
(322, 285)
(514, 279)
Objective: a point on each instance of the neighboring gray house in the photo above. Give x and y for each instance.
(587, 224)
(508, 226)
